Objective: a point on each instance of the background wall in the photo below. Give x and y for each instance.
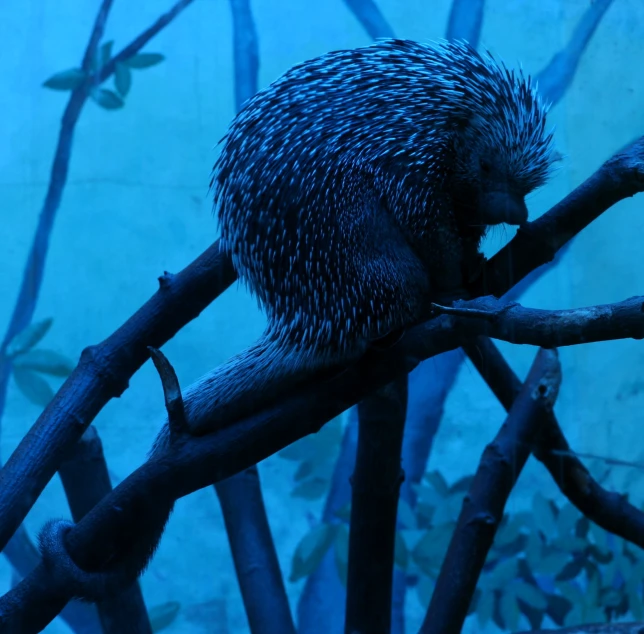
(136, 204)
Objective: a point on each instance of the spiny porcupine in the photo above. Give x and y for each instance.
(357, 185)
(349, 191)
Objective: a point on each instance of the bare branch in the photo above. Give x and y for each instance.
(374, 507)
(513, 323)
(371, 18)
(86, 481)
(103, 374)
(139, 42)
(608, 510)
(466, 21)
(555, 79)
(499, 469)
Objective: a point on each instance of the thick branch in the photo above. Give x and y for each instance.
(198, 462)
(256, 564)
(242, 503)
(374, 506)
(609, 510)
(86, 481)
(101, 375)
(498, 471)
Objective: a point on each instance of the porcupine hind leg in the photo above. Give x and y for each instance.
(379, 284)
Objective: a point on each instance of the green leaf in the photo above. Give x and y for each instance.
(65, 80)
(551, 564)
(485, 607)
(424, 590)
(45, 361)
(401, 553)
(509, 609)
(341, 552)
(33, 386)
(462, 485)
(122, 79)
(534, 549)
(567, 519)
(431, 548)
(571, 544)
(544, 516)
(312, 489)
(610, 598)
(406, 515)
(107, 99)
(571, 569)
(436, 479)
(304, 470)
(509, 532)
(144, 60)
(28, 338)
(635, 605)
(448, 510)
(102, 56)
(530, 594)
(163, 615)
(310, 551)
(503, 574)
(570, 591)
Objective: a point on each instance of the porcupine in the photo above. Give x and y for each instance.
(349, 191)
(353, 188)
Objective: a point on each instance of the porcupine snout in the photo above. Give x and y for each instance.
(496, 207)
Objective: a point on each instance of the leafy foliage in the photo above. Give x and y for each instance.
(74, 78)
(29, 363)
(316, 455)
(549, 562)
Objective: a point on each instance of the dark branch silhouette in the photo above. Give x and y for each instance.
(195, 462)
(375, 486)
(85, 479)
(242, 503)
(609, 510)
(499, 468)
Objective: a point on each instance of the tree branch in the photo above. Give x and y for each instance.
(514, 323)
(102, 374)
(197, 462)
(499, 468)
(374, 506)
(555, 79)
(537, 242)
(371, 18)
(466, 21)
(609, 510)
(86, 481)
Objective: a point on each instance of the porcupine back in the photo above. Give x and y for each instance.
(328, 194)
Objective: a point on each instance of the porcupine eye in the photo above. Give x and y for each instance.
(486, 167)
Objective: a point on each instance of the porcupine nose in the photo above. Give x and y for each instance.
(496, 207)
